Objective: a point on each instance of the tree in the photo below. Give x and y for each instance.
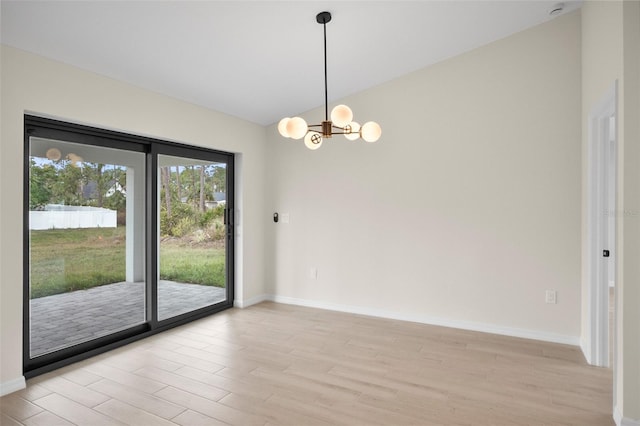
(193, 180)
(164, 175)
(41, 180)
(95, 173)
(116, 201)
(219, 179)
(67, 187)
(178, 186)
(116, 177)
(202, 206)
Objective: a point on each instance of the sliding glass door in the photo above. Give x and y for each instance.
(192, 272)
(124, 236)
(86, 245)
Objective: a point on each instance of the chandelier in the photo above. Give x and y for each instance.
(341, 122)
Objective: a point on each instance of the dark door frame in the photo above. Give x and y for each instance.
(54, 129)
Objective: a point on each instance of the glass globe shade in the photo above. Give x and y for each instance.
(54, 154)
(355, 131)
(296, 128)
(341, 115)
(75, 159)
(313, 140)
(282, 127)
(371, 131)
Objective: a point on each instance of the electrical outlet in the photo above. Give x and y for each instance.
(550, 296)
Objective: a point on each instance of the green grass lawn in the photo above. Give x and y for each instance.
(192, 264)
(65, 260)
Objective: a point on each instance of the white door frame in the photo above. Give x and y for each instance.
(601, 181)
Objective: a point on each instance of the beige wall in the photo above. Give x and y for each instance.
(34, 84)
(465, 211)
(2, 316)
(630, 315)
(610, 52)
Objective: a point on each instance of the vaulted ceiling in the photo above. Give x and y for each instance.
(260, 60)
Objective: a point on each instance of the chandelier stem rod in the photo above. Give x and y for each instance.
(326, 93)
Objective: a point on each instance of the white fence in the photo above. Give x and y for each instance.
(56, 216)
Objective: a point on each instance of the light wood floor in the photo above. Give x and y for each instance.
(281, 364)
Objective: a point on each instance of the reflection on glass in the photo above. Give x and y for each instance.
(86, 259)
(192, 272)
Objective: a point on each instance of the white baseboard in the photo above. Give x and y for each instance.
(425, 319)
(584, 346)
(617, 416)
(623, 421)
(12, 386)
(250, 301)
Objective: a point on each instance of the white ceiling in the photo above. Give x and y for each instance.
(260, 60)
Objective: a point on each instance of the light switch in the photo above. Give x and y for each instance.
(550, 296)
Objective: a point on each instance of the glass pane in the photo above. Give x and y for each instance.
(86, 241)
(192, 272)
